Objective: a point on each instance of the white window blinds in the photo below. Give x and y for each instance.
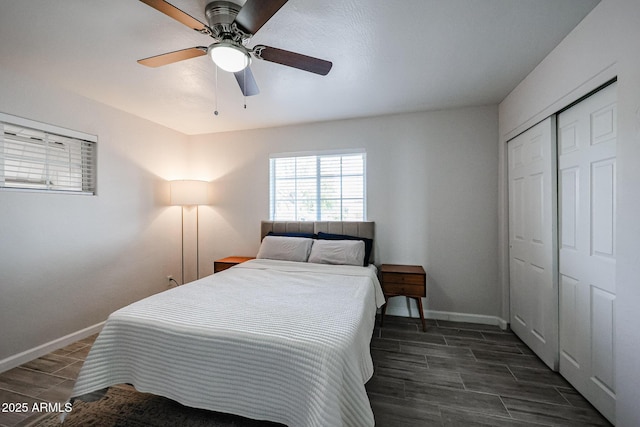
(43, 157)
(318, 187)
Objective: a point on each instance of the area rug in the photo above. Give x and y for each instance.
(123, 406)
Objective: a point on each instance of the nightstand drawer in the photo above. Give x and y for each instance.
(401, 278)
(404, 289)
(228, 262)
(221, 266)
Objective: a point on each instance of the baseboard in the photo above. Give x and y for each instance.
(465, 317)
(452, 316)
(46, 348)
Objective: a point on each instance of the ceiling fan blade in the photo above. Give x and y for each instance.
(171, 57)
(292, 59)
(255, 13)
(177, 14)
(247, 82)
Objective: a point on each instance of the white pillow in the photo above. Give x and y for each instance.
(285, 248)
(343, 252)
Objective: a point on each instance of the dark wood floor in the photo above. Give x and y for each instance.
(455, 374)
(47, 379)
(461, 374)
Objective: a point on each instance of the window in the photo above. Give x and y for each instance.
(38, 156)
(318, 187)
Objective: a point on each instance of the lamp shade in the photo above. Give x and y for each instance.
(189, 192)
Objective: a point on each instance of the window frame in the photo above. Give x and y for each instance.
(80, 140)
(318, 155)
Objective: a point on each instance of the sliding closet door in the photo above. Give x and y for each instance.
(587, 258)
(533, 239)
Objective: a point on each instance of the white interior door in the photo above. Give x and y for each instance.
(533, 239)
(587, 256)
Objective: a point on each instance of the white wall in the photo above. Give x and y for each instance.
(431, 189)
(67, 261)
(604, 45)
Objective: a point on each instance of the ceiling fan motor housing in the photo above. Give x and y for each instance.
(220, 16)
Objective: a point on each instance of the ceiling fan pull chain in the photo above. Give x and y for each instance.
(244, 92)
(216, 95)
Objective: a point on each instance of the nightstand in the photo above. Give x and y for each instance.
(404, 280)
(228, 262)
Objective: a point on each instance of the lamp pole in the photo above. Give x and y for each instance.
(190, 193)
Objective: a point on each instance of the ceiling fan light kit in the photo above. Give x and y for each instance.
(232, 26)
(229, 56)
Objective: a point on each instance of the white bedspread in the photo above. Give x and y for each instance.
(273, 340)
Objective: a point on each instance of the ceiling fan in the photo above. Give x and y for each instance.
(232, 26)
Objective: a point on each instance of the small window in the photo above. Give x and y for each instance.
(318, 187)
(37, 156)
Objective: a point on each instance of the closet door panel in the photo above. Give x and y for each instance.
(532, 239)
(587, 248)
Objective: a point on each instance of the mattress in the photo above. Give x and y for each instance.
(273, 340)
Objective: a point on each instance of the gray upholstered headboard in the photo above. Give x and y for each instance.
(351, 228)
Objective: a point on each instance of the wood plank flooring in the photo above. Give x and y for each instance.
(47, 379)
(455, 374)
(462, 374)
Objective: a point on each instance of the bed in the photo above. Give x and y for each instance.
(269, 339)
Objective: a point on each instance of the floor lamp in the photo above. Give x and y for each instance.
(190, 193)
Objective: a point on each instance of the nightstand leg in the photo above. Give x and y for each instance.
(424, 326)
(383, 311)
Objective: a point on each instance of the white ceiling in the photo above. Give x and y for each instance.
(388, 56)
